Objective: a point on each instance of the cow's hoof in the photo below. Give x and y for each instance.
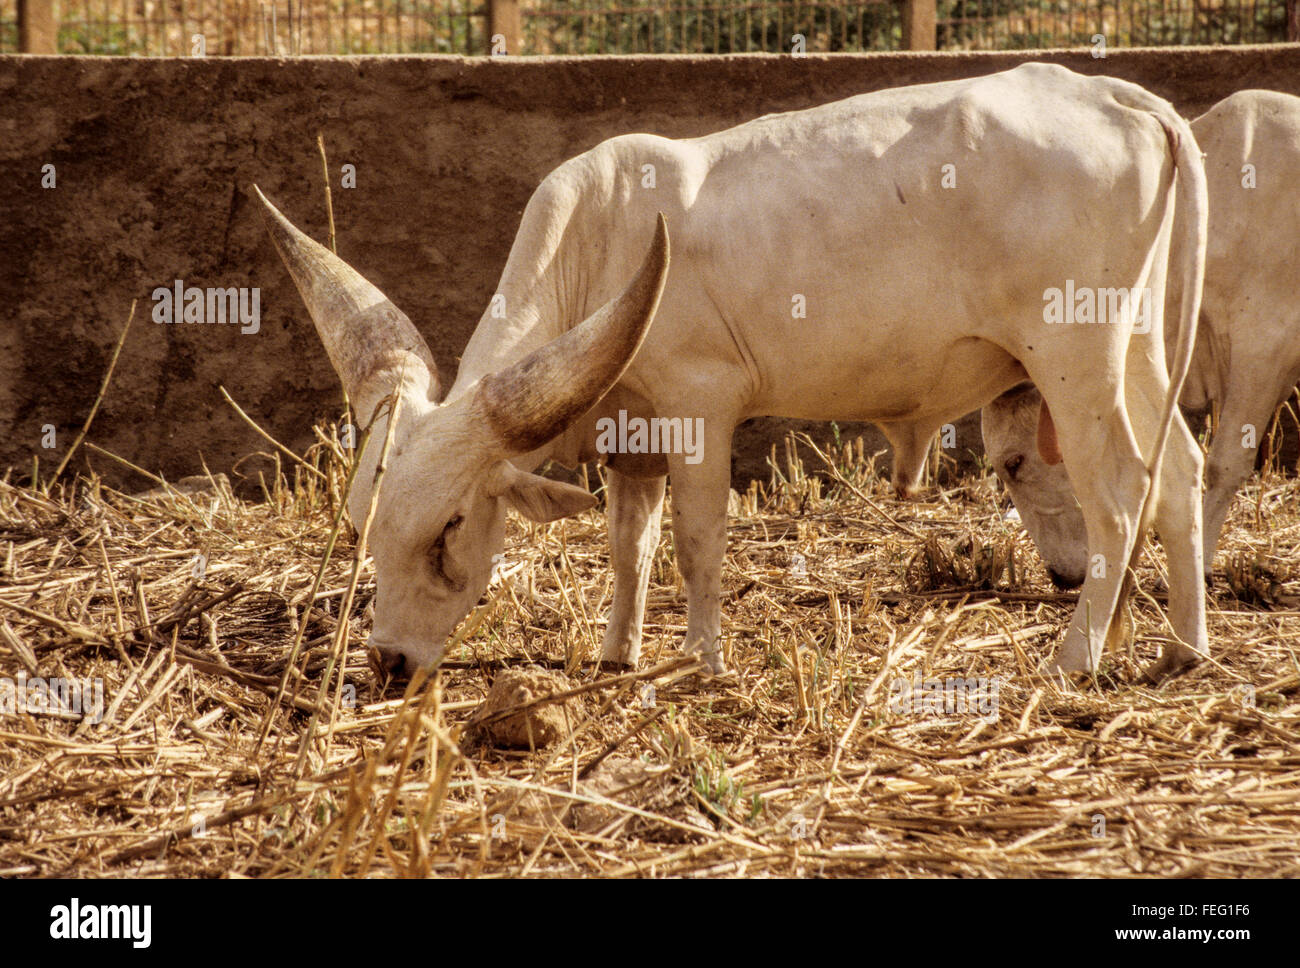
(714, 665)
(1071, 669)
(1174, 659)
(1071, 660)
(618, 655)
(1055, 670)
(718, 679)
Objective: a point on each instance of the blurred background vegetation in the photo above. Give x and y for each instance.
(250, 27)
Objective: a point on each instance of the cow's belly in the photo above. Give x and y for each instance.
(918, 379)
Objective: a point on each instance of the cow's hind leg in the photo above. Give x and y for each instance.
(634, 506)
(1177, 513)
(699, 509)
(1178, 522)
(1110, 480)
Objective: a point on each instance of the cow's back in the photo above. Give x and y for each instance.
(1251, 142)
(870, 242)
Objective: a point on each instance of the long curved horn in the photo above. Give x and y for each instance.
(363, 332)
(534, 400)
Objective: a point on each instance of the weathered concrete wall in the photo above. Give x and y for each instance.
(153, 160)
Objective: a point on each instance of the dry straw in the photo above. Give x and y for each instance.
(800, 763)
(244, 733)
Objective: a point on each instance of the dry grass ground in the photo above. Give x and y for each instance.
(217, 756)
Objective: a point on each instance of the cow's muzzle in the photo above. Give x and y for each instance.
(1064, 583)
(388, 663)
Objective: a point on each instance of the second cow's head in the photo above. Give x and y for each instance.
(1020, 442)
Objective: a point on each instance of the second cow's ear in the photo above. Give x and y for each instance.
(538, 498)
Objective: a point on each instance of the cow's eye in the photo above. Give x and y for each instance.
(1012, 465)
(434, 554)
(441, 560)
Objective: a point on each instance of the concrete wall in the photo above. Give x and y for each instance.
(153, 160)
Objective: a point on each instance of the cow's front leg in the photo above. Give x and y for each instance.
(699, 503)
(1178, 520)
(634, 506)
(1110, 480)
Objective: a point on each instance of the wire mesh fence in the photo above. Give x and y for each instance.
(259, 27)
(181, 28)
(709, 27)
(1027, 24)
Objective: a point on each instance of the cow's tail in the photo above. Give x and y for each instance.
(1191, 203)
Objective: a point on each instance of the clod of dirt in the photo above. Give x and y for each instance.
(544, 722)
(654, 789)
(197, 484)
(629, 781)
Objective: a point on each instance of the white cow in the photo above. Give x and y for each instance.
(1247, 356)
(880, 258)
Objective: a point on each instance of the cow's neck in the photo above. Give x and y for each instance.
(533, 305)
(529, 307)
(566, 262)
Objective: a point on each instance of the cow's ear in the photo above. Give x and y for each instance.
(538, 498)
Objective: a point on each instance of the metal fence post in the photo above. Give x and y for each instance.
(38, 28)
(504, 19)
(918, 24)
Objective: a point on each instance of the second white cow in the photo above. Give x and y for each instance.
(1247, 356)
(880, 258)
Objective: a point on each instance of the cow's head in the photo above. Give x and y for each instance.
(1020, 440)
(440, 514)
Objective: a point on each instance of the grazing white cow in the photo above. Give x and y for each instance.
(880, 258)
(1247, 356)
